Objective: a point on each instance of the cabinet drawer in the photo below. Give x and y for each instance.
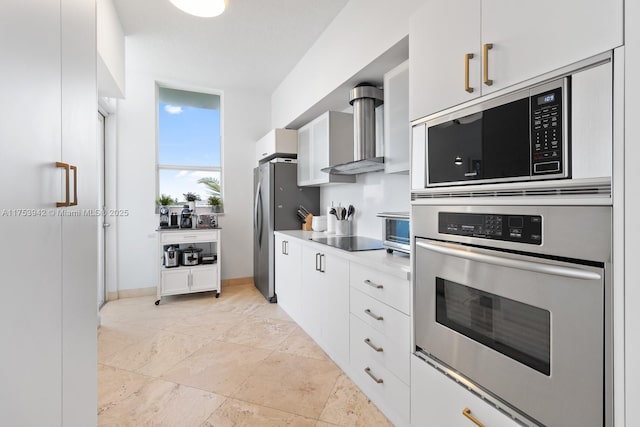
(390, 392)
(439, 401)
(367, 342)
(394, 291)
(388, 321)
(190, 236)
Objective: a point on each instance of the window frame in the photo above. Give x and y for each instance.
(159, 167)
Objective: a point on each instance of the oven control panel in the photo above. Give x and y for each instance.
(546, 132)
(510, 228)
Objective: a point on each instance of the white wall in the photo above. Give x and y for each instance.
(370, 194)
(361, 32)
(245, 119)
(111, 73)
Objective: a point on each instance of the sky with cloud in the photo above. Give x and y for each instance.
(188, 136)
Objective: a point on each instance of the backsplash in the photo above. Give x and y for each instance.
(370, 194)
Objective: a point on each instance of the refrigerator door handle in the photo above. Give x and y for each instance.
(256, 207)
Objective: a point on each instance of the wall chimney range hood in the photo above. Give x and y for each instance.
(364, 98)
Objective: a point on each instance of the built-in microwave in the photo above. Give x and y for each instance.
(551, 128)
(520, 136)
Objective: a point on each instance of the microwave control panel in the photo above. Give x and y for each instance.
(510, 228)
(546, 132)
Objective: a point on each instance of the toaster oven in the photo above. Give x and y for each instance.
(395, 231)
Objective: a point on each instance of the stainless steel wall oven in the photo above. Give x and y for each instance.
(516, 299)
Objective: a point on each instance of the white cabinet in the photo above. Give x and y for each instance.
(325, 301)
(277, 141)
(48, 320)
(491, 45)
(396, 119)
(189, 279)
(437, 400)
(323, 142)
(288, 275)
(380, 337)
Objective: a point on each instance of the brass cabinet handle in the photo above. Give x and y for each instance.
(373, 285)
(66, 169)
(75, 185)
(370, 344)
(467, 413)
(375, 316)
(485, 65)
(467, 57)
(368, 371)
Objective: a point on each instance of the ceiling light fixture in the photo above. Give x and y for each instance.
(201, 8)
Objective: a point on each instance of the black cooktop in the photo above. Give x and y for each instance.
(350, 243)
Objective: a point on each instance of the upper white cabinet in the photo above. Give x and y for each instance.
(277, 141)
(462, 49)
(396, 119)
(323, 142)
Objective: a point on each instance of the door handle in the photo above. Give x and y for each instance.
(106, 225)
(375, 316)
(286, 247)
(256, 207)
(368, 342)
(485, 63)
(467, 413)
(367, 370)
(556, 270)
(467, 57)
(317, 259)
(75, 185)
(66, 175)
(282, 248)
(372, 284)
(321, 263)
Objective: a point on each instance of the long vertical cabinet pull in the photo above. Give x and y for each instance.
(66, 169)
(467, 57)
(75, 185)
(321, 263)
(317, 261)
(485, 63)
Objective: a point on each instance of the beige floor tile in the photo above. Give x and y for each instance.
(235, 413)
(162, 403)
(291, 383)
(259, 332)
(207, 324)
(271, 311)
(115, 385)
(219, 367)
(326, 424)
(300, 344)
(116, 336)
(348, 406)
(155, 355)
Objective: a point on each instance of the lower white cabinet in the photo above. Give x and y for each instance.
(437, 400)
(288, 275)
(325, 301)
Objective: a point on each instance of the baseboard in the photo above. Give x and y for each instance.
(237, 281)
(131, 293)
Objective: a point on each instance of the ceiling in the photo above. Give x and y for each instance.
(253, 44)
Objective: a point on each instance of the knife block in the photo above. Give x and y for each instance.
(306, 225)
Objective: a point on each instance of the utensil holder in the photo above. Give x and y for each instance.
(331, 221)
(343, 227)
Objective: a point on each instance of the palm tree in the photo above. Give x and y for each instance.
(212, 184)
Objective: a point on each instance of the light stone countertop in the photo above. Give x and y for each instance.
(396, 264)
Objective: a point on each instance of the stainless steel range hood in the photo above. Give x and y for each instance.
(364, 98)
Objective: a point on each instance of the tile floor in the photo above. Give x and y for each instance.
(233, 361)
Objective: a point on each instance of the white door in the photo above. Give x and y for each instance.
(30, 135)
(532, 38)
(102, 220)
(441, 34)
(175, 281)
(204, 278)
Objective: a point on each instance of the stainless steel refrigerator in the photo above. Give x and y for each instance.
(276, 200)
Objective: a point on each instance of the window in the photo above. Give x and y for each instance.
(189, 145)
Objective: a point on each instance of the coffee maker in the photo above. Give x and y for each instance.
(164, 217)
(186, 217)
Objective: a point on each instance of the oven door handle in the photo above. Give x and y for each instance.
(556, 270)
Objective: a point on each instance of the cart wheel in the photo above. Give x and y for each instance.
(158, 302)
(217, 294)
